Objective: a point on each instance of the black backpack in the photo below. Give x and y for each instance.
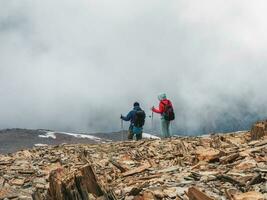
(168, 113)
(139, 118)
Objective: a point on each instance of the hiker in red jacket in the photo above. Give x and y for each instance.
(167, 114)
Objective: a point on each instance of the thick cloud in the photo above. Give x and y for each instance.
(77, 64)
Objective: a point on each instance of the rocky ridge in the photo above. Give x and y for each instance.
(219, 166)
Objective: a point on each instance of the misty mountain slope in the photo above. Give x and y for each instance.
(15, 139)
(12, 140)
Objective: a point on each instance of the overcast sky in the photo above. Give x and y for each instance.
(76, 65)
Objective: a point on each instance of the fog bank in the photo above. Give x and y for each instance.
(77, 65)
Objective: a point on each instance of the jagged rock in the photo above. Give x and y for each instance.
(17, 182)
(229, 159)
(207, 154)
(137, 170)
(148, 196)
(8, 193)
(73, 186)
(246, 164)
(39, 181)
(2, 181)
(195, 194)
(249, 196)
(147, 169)
(259, 130)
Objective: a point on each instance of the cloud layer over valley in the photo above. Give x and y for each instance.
(76, 65)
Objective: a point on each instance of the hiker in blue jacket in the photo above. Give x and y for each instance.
(137, 120)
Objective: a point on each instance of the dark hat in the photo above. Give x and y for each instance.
(136, 104)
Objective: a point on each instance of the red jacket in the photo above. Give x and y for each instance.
(162, 104)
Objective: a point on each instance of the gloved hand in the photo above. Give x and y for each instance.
(121, 117)
(152, 108)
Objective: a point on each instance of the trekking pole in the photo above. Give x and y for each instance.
(170, 130)
(122, 136)
(152, 120)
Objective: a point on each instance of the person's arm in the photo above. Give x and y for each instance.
(128, 117)
(160, 110)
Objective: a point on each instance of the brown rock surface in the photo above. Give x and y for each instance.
(249, 196)
(259, 130)
(221, 166)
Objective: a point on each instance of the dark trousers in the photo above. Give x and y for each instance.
(131, 135)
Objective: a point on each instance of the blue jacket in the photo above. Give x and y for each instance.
(131, 115)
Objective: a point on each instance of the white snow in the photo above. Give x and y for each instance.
(52, 134)
(77, 135)
(49, 134)
(41, 145)
(149, 136)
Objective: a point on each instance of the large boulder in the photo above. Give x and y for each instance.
(259, 130)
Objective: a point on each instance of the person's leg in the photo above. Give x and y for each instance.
(139, 136)
(138, 132)
(168, 129)
(130, 133)
(164, 130)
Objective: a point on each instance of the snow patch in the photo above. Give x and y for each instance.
(149, 136)
(84, 136)
(48, 134)
(52, 134)
(40, 145)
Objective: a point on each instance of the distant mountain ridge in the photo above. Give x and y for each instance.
(12, 140)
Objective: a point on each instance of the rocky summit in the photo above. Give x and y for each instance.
(219, 166)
